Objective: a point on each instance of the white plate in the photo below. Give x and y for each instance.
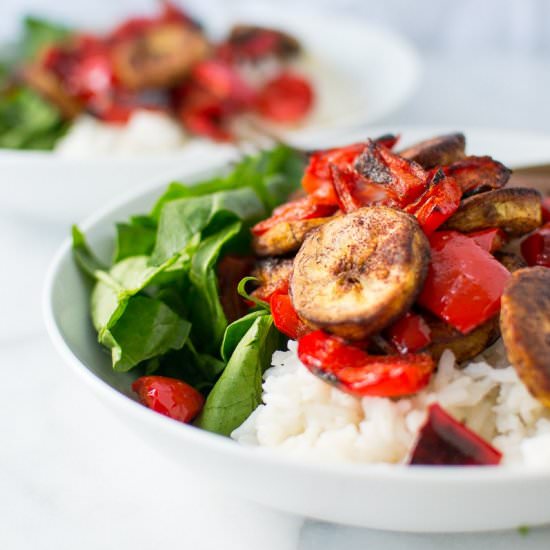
(377, 496)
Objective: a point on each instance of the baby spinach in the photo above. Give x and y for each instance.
(40, 33)
(135, 238)
(235, 331)
(239, 390)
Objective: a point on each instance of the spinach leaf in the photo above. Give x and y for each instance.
(205, 310)
(146, 328)
(135, 238)
(83, 256)
(235, 331)
(272, 175)
(182, 221)
(27, 121)
(238, 391)
(38, 34)
(200, 370)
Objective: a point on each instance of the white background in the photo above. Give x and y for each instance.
(71, 475)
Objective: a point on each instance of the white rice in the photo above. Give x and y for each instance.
(302, 415)
(146, 132)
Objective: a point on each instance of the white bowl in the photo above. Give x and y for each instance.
(427, 499)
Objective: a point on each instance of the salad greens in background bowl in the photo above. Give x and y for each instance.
(151, 289)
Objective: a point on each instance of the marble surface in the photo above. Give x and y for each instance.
(73, 476)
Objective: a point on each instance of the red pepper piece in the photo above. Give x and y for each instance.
(444, 441)
(285, 317)
(545, 210)
(464, 282)
(355, 191)
(317, 179)
(169, 396)
(437, 204)
(477, 174)
(536, 248)
(286, 98)
(410, 334)
(354, 371)
(489, 239)
(223, 82)
(300, 209)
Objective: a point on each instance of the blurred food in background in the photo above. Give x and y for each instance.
(154, 79)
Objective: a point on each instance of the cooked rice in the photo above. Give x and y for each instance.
(302, 415)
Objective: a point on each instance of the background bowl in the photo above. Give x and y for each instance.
(377, 496)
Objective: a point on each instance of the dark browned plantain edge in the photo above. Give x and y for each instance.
(437, 151)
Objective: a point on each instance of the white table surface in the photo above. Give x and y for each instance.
(72, 476)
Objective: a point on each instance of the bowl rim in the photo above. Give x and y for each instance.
(217, 443)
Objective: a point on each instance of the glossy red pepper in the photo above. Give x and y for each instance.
(438, 203)
(410, 334)
(169, 396)
(352, 370)
(545, 206)
(536, 247)
(409, 179)
(489, 239)
(354, 191)
(464, 282)
(317, 179)
(285, 317)
(286, 98)
(443, 441)
(299, 209)
(222, 81)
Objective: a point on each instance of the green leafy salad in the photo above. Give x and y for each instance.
(157, 308)
(27, 121)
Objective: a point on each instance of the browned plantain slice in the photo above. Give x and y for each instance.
(510, 260)
(359, 272)
(284, 45)
(159, 57)
(478, 174)
(515, 210)
(464, 346)
(285, 237)
(272, 274)
(525, 326)
(437, 151)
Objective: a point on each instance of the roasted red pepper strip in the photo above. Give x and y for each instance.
(317, 179)
(286, 98)
(300, 209)
(354, 371)
(489, 239)
(477, 174)
(536, 248)
(285, 317)
(444, 441)
(464, 282)
(169, 396)
(355, 191)
(437, 204)
(410, 334)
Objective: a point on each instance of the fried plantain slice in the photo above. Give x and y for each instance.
(359, 272)
(525, 326)
(437, 151)
(515, 210)
(510, 260)
(160, 57)
(478, 174)
(272, 274)
(285, 237)
(463, 346)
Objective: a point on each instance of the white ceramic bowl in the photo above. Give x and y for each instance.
(377, 496)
